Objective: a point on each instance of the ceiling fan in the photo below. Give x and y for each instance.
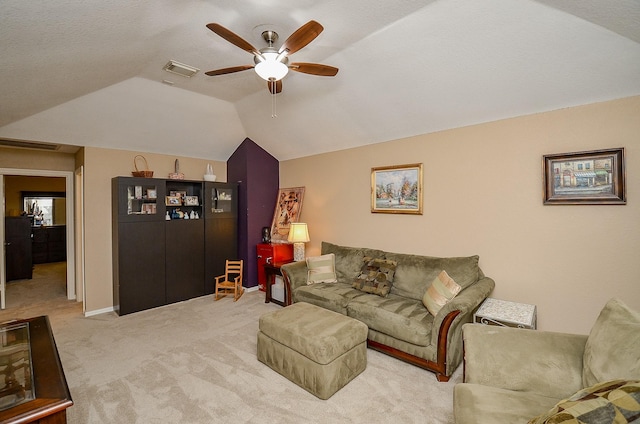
(272, 64)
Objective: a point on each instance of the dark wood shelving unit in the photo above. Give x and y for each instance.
(159, 255)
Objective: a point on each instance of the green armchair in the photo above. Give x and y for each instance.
(526, 376)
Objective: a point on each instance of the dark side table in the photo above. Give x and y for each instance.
(271, 270)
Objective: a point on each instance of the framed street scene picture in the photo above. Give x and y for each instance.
(585, 178)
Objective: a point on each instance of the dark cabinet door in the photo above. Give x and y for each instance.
(221, 243)
(139, 274)
(184, 259)
(18, 248)
(221, 229)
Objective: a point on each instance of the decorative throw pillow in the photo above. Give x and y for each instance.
(612, 350)
(611, 402)
(376, 276)
(321, 269)
(440, 292)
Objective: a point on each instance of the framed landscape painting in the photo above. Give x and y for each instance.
(397, 189)
(585, 178)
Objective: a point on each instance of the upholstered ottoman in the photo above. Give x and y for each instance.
(319, 350)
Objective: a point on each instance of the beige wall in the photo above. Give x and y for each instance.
(35, 159)
(483, 195)
(14, 185)
(100, 166)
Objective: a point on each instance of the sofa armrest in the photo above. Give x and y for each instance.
(467, 301)
(294, 275)
(541, 362)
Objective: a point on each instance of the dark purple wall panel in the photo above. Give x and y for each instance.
(257, 173)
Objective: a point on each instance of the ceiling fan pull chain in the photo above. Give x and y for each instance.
(273, 100)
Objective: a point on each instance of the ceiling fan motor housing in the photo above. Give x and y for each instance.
(270, 37)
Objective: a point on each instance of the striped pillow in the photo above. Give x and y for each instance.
(440, 292)
(321, 269)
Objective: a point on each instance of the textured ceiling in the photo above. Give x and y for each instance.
(89, 72)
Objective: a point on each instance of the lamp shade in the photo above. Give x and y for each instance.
(298, 232)
(271, 68)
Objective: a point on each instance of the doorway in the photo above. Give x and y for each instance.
(70, 227)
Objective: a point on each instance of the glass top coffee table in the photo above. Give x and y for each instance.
(33, 387)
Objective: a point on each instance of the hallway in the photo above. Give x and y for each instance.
(44, 294)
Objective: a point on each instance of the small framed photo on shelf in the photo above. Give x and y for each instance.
(148, 208)
(191, 200)
(138, 192)
(172, 201)
(152, 193)
(181, 194)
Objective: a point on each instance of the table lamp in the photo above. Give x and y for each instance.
(298, 235)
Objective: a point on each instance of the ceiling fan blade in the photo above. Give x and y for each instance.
(301, 37)
(232, 38)
(277, 85)
(314, 69)
(230, 70)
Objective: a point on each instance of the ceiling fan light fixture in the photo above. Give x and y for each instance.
(271, 68)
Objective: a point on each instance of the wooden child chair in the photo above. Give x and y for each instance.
(227, 283)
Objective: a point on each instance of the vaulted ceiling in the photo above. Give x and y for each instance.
(90, 72)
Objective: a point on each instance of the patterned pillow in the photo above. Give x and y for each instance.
(376, 276)
(440, 292)
(611, 402)
(321, 269)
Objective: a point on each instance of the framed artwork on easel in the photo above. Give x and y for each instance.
(288, 210)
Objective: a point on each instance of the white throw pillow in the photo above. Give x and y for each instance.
(440, 292)
(321, 269)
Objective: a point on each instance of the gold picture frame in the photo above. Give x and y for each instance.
(397, 189)
(173, 201)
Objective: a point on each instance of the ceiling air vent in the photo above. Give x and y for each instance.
(28, 144)
(180, 69)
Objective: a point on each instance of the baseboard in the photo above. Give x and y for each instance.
(110, 309)
(98, 312)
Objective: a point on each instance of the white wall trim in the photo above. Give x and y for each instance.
(69, 179)
(99, 312)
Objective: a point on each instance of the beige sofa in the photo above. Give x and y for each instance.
(399, 324)
(519, 376)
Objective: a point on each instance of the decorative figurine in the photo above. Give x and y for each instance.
(209, 175)
(266, 235)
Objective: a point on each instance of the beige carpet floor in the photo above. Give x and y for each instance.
(195, 362)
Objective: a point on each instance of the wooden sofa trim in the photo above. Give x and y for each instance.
(439, 367)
